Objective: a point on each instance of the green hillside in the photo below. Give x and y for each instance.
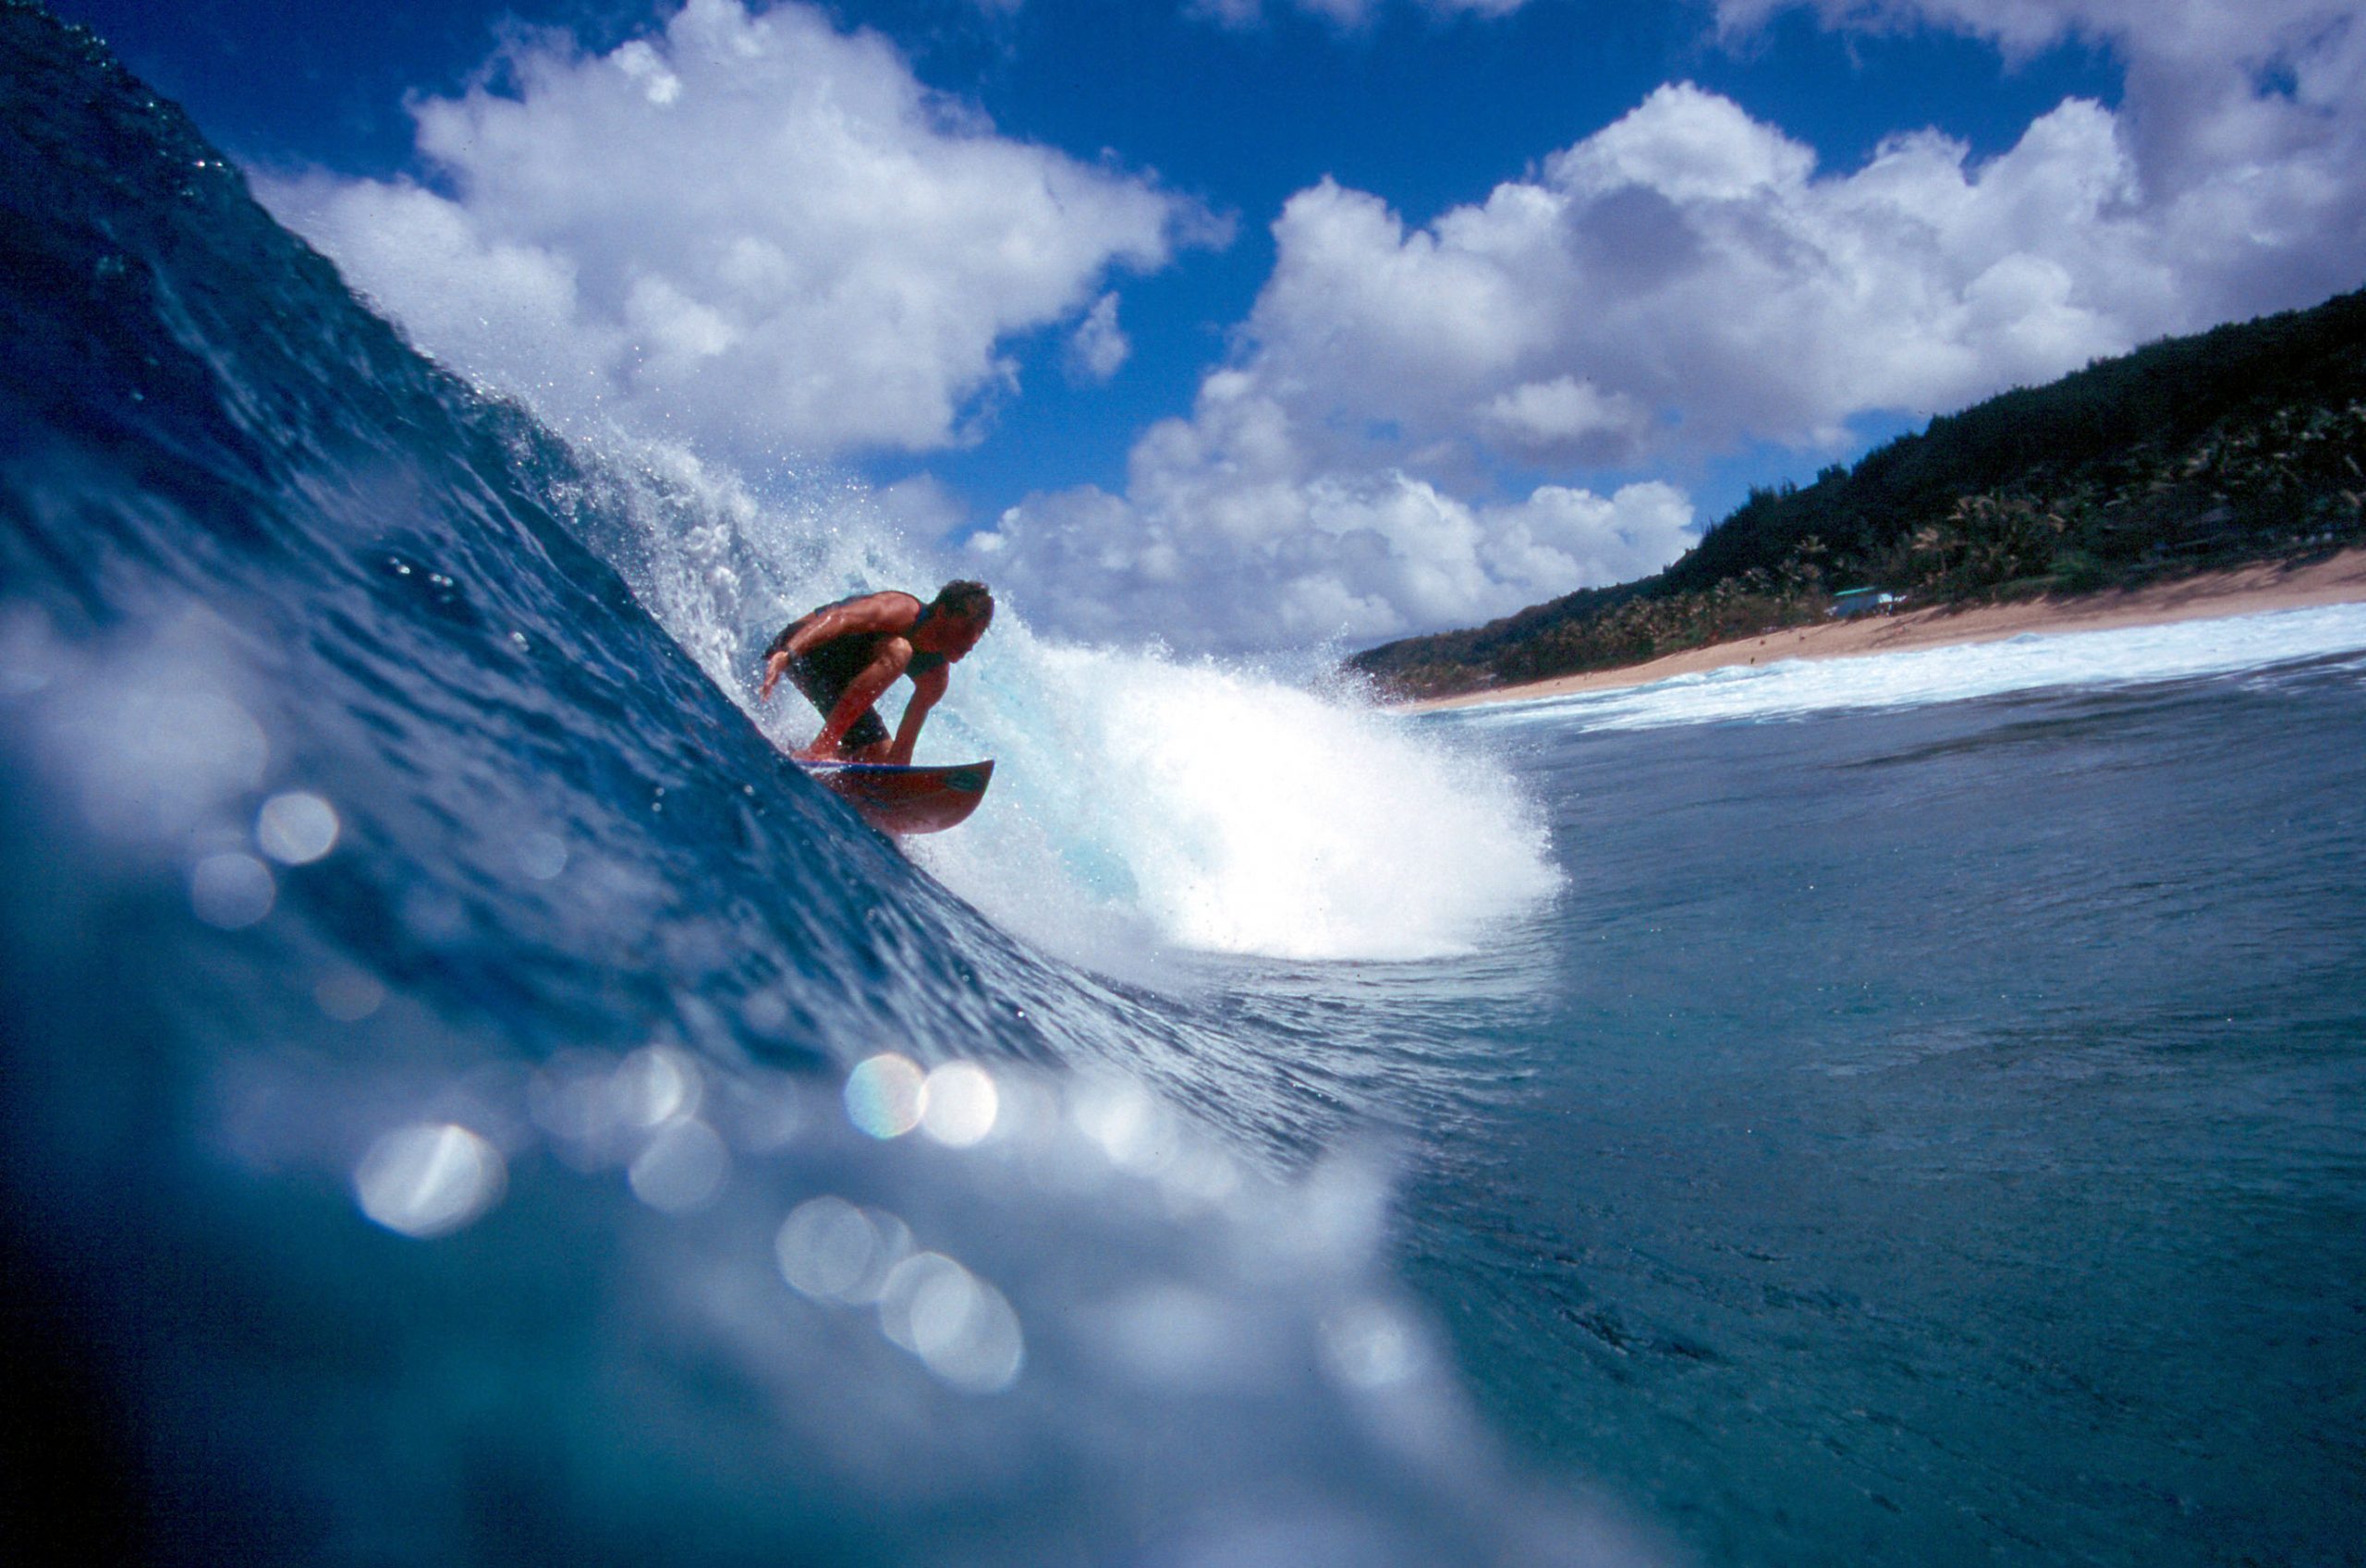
(2241, 443)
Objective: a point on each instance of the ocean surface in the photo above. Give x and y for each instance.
(470, 1099)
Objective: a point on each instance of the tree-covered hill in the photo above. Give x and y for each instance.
(2244, 442)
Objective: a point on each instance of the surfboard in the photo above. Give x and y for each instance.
(906, 800)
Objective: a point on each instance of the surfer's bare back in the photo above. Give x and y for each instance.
(845, 655)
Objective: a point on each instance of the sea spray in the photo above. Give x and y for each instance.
(1215, 808)
(1143, 801)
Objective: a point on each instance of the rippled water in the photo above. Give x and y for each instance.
(1938, 1129)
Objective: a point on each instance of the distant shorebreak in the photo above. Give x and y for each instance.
(2247, 590)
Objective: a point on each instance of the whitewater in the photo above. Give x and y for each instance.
(470, 1099)
(1145, 802)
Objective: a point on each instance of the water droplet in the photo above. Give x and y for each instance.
(655, 1084)
(348, 995)
(832, 1250)
(296, 829)
(959, 1104)
(960, 1328)
(231, 890)
(541, 856)
(1368, 1345)
(683, 1168)
(429, 1179)
(884, 1095)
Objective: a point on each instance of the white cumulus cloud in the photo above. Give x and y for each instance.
(1099, 345)
(764, 233)
(2244, 122)
(1686, 280)
(1232, 536)
(753, 228)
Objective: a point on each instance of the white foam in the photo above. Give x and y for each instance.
(1139, 802)
(1220, 809)
(2032, 662)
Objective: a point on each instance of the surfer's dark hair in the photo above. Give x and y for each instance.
(971, 601)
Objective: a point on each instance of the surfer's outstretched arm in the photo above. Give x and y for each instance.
(927, 687)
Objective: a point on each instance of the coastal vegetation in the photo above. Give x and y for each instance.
(2231, 446)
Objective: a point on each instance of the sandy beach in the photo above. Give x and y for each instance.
(2249, 591)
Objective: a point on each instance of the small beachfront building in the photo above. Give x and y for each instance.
(1861, 602)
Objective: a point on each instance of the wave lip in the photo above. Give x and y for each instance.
(1221, 810)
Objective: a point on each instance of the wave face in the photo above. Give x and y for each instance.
(471, 1100)
(1146, 804)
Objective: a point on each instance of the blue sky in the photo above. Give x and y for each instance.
(1246, 323)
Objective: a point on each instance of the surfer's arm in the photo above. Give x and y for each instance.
(890, 612)
(775, 665)
(872, 612)
(927, 687)
(860, 694)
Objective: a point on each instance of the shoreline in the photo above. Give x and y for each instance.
(2244, 591)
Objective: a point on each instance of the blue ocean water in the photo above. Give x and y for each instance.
(1942, 1142)
(470, 1099)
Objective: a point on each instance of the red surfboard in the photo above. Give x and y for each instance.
(906, 800)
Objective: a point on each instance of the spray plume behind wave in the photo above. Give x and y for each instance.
(1187, 804)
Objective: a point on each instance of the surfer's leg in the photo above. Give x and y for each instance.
(866, 738)
(821, 691)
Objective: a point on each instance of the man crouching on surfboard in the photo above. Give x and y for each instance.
(844, 656)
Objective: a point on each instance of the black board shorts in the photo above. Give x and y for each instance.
(823, 691)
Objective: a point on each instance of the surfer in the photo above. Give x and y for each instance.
(843, 656)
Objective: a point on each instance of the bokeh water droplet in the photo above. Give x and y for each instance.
(296, 829)
(682, 1169)
(959, 1104)
(231, 890)
(886, 1095)
(429, 1179)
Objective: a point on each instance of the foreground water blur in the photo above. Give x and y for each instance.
(470, 1100)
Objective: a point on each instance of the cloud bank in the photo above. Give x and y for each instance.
(1686, 281)
(765, 235)
(752, 229)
